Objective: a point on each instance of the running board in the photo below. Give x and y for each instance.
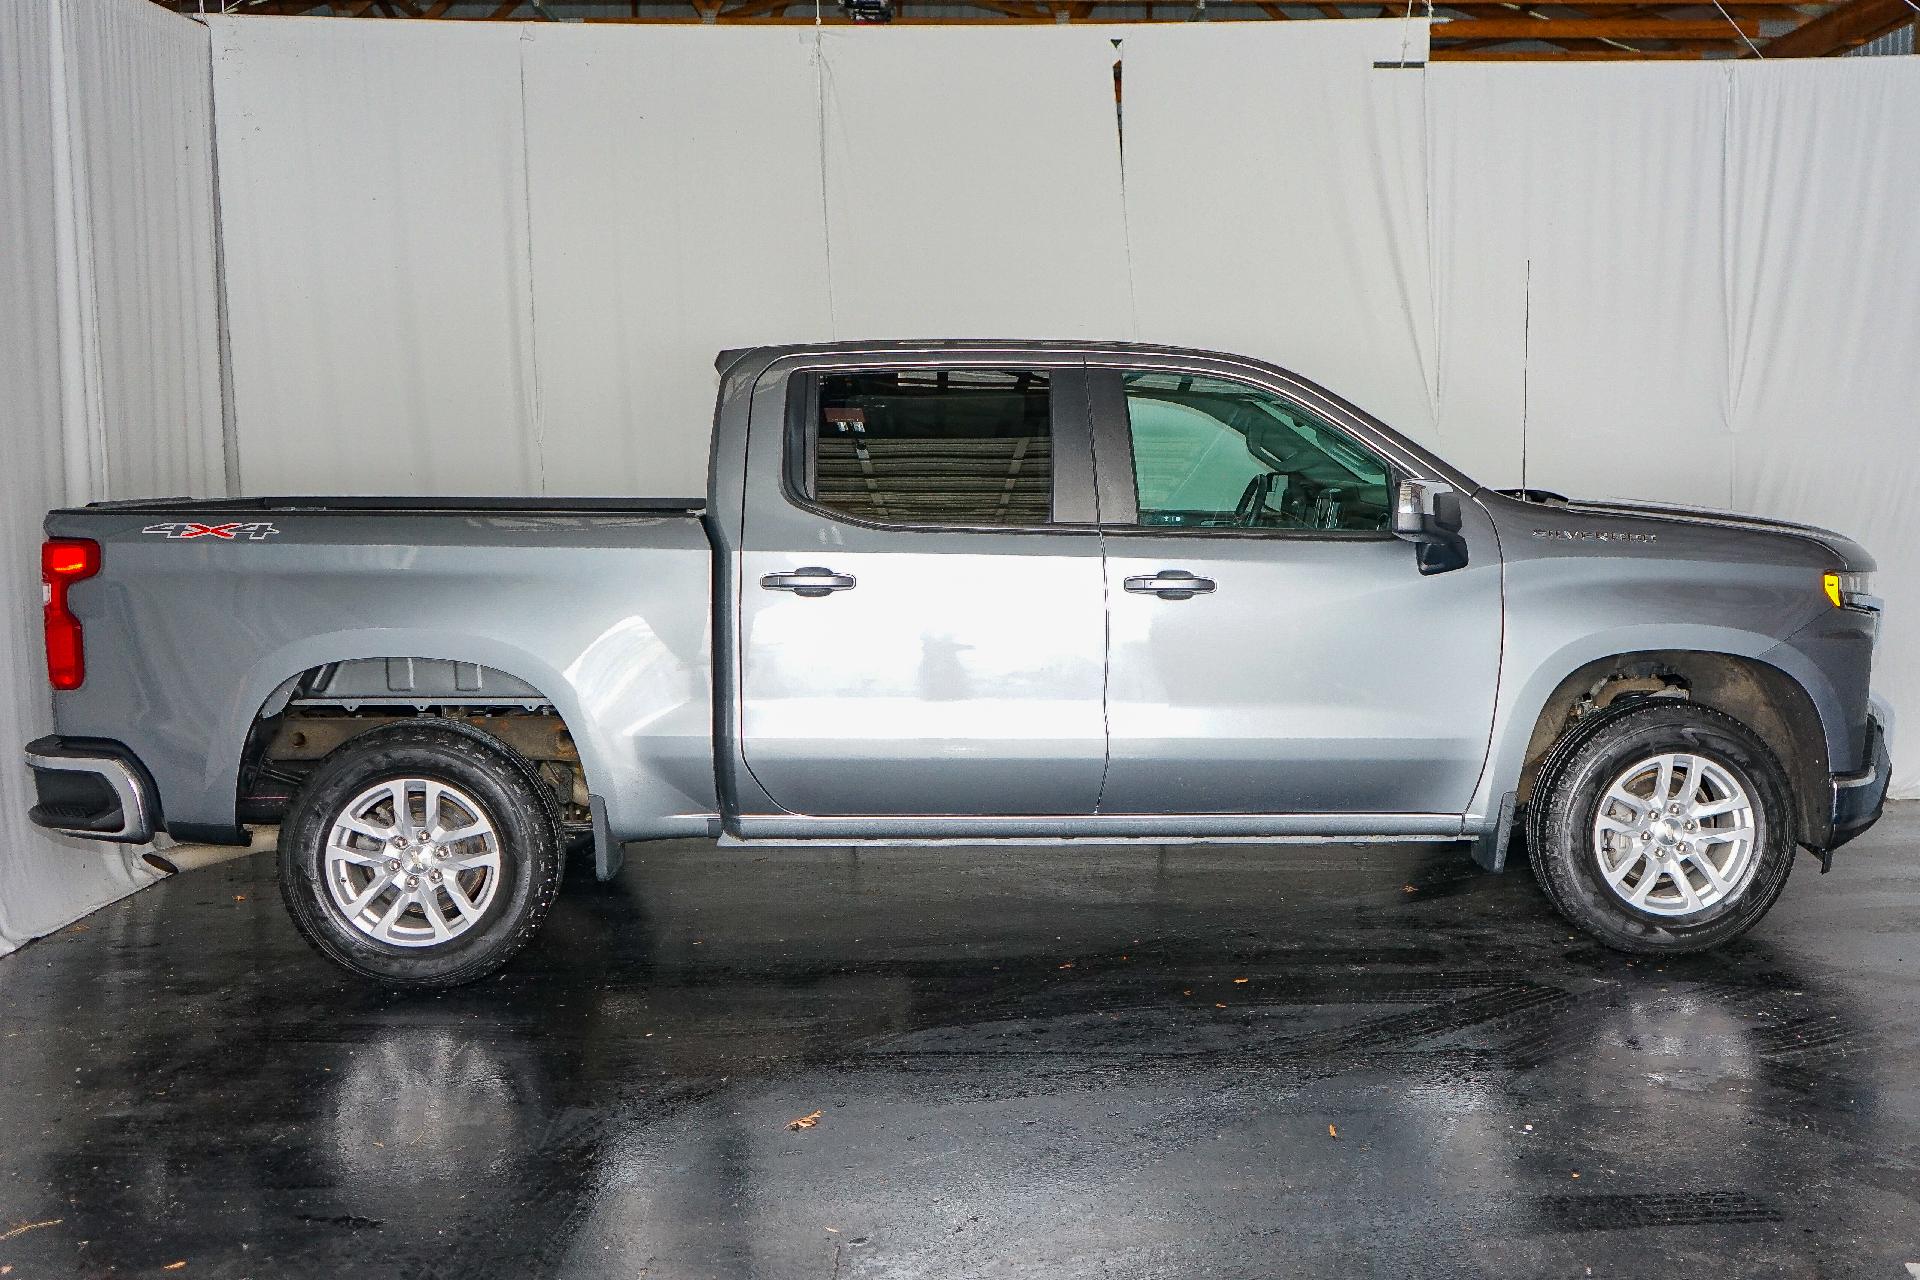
(1213, 828)
(916, 842)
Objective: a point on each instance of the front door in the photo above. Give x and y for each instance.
(922, 622)
(1273, 647)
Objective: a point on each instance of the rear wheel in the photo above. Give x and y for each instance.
(1662, 827)
(420, 856)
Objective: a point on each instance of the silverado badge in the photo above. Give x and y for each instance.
(1594, 535)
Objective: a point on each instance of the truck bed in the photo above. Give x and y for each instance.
(203, 610)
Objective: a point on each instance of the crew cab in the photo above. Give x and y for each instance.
(964, 593)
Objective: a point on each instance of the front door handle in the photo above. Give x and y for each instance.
(1170, 584)
(811, 582)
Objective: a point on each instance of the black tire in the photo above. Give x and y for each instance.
(1567, 797)
(509, 796)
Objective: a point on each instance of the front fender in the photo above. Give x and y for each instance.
(1524, 693)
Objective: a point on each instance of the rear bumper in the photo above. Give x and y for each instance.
(92, 788)
(1858, 798)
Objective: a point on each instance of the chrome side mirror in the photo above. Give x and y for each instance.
(1421, 506)
(1427, 514)
(1412, 504)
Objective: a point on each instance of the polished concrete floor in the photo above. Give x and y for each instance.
(1178, 1063)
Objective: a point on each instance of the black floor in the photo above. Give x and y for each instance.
(1196, 1062)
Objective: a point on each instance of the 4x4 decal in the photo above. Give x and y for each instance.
(226, 531)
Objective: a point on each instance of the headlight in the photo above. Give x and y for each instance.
(1850, 590)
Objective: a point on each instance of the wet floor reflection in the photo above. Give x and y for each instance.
(1126, 1062)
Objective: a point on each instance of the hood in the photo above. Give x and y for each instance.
(1852, 555)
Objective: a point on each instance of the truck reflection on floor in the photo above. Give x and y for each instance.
(1170, 1063)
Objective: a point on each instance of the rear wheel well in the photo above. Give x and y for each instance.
(1762, 697)
(312, 714)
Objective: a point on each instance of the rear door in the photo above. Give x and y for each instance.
(1274, 647)
(922, 621)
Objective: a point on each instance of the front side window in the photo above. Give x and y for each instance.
(1208, 453)
(968, 447)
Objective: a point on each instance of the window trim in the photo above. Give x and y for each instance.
(1118, 485)
(1073, 506)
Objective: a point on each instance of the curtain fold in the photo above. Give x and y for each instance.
(109, 348)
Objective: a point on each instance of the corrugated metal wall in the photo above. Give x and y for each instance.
(109, 346)
(1894, 42)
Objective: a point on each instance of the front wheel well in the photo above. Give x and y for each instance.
(1760, 696)
(312, 714)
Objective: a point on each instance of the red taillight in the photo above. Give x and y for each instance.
(63, 562)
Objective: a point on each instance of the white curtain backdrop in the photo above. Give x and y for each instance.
(474, 257)
(524, 290)
(1724, 300)
(1689, 282)
(972, 183)
(1823, 269)
(1276, 203)
(675, 210)
(109, 347)
(1578, 224)
(374, 221)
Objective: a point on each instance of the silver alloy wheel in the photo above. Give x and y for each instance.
(1674, 834)
(413, 861)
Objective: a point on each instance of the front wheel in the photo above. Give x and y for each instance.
(420, 855)
(1662, 828)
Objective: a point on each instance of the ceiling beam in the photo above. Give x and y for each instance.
(1847, 26)
(1025, 12)
(1514, 8)
(1629, 8)
(1591, 29)
(1561, 55)
(1638, 27)
(1576, 25)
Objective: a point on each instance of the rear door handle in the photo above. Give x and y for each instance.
(1170, 584)
(811, 582)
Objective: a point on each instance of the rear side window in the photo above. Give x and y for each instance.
(969, 447)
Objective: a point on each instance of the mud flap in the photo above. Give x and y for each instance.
(1490, 846)
(1859, 798)
(607, 855)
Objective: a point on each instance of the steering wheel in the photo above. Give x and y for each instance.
(1253, 500)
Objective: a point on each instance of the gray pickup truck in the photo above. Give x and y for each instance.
(966, 592)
